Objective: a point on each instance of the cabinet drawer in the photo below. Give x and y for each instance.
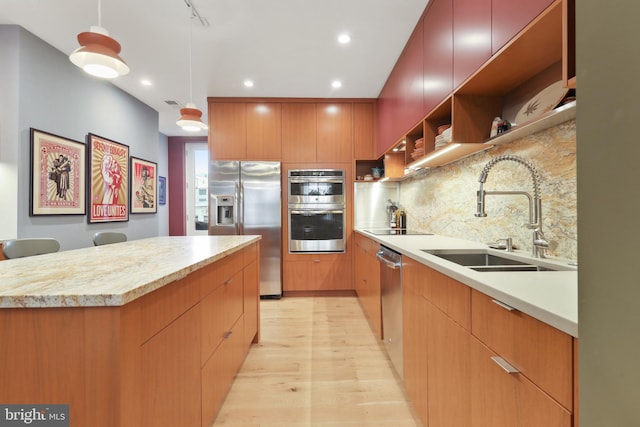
(221, 271)
(318, 273)
(540, 352)
(506, 399)
(160, 308)
(220, 310)
(250, 254)
(451, 297)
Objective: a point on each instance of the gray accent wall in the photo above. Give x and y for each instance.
(55, 96)
(608, 64)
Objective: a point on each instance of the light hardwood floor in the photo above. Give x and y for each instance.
(318, 364)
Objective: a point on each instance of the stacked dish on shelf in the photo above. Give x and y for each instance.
(419, 150)
(443, 137)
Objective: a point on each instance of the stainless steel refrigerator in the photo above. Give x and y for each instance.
(245, 197)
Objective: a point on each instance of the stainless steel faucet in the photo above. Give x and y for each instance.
(539, 243)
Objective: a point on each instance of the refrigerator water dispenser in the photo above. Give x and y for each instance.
(224, 210)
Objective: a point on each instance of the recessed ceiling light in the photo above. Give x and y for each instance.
(248, 83)
(146, 82)
(344, 38)
(336, 84)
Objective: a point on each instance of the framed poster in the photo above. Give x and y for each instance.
(162, 190)
(143, 186)
(109, 180)
(58, 175)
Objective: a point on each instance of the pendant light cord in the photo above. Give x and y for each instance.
(190, 59)
(100, 13)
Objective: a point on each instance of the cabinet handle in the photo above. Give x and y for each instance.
(228, 281)
(228, 334)
(508, 368)
(316, 260)
(503, 305)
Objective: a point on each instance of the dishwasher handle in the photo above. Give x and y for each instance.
(389, 263)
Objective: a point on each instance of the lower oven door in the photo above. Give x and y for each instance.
(316, 230)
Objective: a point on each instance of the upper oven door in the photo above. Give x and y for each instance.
(308, 188)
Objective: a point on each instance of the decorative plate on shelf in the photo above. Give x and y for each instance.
(543, 102)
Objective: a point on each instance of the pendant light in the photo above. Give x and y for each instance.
(190, 117)
(98, 53)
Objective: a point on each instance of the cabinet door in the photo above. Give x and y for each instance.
(471, 37)
(438, 54)
(335, 132)
(227, 131)
(501, 399)
(264, 131)
(363, 131)
(449, 372)
(414, 337)
(251, 303)
(298, 132)
(170, 374)
(509, 17)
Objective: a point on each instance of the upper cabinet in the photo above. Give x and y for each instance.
(400, 104)
(299, 132)
(245, 131)
(228, 131)
(471, 37)
(364, 117)
(334, 132)
(438, 54)
(536, 51)
(508, 17)
(264, 130)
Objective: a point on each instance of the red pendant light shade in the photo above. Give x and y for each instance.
(98, 54)
(191, 118)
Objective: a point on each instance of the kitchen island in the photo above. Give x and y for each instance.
(143, 333)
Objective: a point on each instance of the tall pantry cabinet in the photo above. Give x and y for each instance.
(302, 134)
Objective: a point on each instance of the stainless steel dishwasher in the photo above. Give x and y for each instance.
(391, 294)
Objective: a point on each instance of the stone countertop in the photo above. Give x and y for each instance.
(549, 296)
(109, 275)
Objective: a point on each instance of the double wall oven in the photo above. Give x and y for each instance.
(316, 210)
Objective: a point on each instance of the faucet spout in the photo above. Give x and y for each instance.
(535, 202)
(480, 213)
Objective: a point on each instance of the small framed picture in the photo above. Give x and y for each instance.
(144, 175)
(162, 190)
(58, 175)
(109, 180)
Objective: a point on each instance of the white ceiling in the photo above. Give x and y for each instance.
(288, 48)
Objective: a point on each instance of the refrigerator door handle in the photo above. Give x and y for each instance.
(240, 208)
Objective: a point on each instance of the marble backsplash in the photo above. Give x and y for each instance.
(443, 200)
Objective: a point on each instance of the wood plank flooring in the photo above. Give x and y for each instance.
(318, 364)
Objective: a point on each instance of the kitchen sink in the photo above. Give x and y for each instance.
(482, 260)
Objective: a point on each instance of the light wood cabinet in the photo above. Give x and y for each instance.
(364, 142)
(458, 346)
(299, 132)
(501, 399)
(416, 331)
(540, 352)
(334, 132)
(227, 131)
(170, 373)
(264, 130)
(318, 272)
(367, 281)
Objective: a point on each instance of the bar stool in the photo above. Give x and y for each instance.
(108, 237)
(19, 248)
